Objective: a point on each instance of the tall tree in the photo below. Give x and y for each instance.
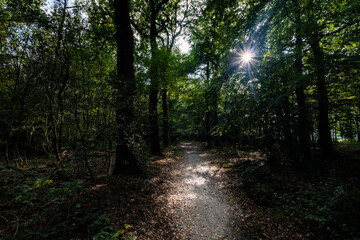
(337, 17)
(177, 13)
(154, 76)
(303, 128)
(126, 87)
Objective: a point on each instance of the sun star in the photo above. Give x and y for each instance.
(247, 57)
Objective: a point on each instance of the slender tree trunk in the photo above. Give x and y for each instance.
(126, 87)
(165, 118)
(214, 97)
(287, 130)
(61, 103)
(55, 137)
(153, 121)
(154, 86)
(207, 111)
(357, 128)
(12, 110)
(215, 123)
(325, 142)
(207, 126)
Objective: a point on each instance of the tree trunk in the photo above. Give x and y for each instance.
(154, 85)
(357, 128)
(214, 97)
(153, 121)
(61, 104)
(207, 127)
(303, 127)
(126, 87)
(165, 118)
(207, 111)
(325, 142)
(215, 122)
(55, 137)
(288, 139)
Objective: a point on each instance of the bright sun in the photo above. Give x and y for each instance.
(247, 57)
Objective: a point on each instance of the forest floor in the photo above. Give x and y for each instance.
(189, 193)
(199, 207)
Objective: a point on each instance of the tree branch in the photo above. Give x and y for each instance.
(338, 30)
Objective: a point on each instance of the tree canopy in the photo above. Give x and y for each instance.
(59, 90)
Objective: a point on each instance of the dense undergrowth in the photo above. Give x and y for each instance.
(326, 199)
(48, 205)
(279, 202)
(329, 202)
(47, 202)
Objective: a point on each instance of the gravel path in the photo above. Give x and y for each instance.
(201, 209)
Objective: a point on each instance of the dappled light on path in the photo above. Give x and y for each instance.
(201, 209)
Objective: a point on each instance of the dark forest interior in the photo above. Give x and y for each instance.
(110, 109)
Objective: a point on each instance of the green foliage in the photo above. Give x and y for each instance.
(54, 208)
(334, 207)
(332, 204)
(106, 235)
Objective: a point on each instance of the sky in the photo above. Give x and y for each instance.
(184, 45)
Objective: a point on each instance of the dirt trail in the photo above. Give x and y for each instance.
(201, 209)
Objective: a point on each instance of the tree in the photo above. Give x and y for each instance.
(212, 36)
(126, 87)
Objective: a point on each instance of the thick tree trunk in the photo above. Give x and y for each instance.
(303, 127)
(125, 158)
(165, 118)
(325, 142)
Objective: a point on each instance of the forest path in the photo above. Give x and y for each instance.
(200, 208)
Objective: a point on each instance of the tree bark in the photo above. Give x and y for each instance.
(325, 142)
(154, 85)
(357, 128)
(303, 127)
(153, 121)
(287, 126)
(207, 127)
(207, 111)
(165, 118)
(215, 121)
(126, 87)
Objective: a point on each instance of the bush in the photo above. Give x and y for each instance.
(52, 208)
